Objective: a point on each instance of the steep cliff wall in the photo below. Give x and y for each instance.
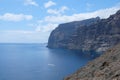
(106, 67)
(92, 34)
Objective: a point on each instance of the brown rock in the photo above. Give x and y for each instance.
(105, 67)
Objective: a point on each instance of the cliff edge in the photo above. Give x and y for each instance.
(92, 34)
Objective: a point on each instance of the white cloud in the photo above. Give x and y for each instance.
(52, 21)
(52, 11)
(49, 4)
(57, 12)
(63, 8)
(15, 17)
(103, 13)
(46, 28)
(30, 2)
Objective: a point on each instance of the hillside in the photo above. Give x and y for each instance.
(106, 67)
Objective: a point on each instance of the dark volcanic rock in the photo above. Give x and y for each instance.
(106, 67)
(61, 36)
(92, 34)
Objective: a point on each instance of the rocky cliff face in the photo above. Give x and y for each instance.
(61, 36)
(106, 67)
(92, 34)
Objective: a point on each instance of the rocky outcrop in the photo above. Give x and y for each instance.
(61, 36)
(88, 35)
(106, 67)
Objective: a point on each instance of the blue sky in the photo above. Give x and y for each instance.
(31, 21)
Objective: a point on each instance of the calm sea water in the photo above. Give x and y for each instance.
(37, 62)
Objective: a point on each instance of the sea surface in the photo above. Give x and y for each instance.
(37, 62)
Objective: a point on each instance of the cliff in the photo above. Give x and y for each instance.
(106, 67)
(92, 34)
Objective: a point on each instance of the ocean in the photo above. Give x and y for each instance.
(37, 62)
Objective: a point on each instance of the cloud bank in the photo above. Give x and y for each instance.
(15, 17)
(103, 13)
(52, 21)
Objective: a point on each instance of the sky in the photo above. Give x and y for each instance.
(31, 21)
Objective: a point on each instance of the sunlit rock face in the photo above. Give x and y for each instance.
(93, 34)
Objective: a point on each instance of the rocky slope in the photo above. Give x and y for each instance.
(106, 67)
(92, 34)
